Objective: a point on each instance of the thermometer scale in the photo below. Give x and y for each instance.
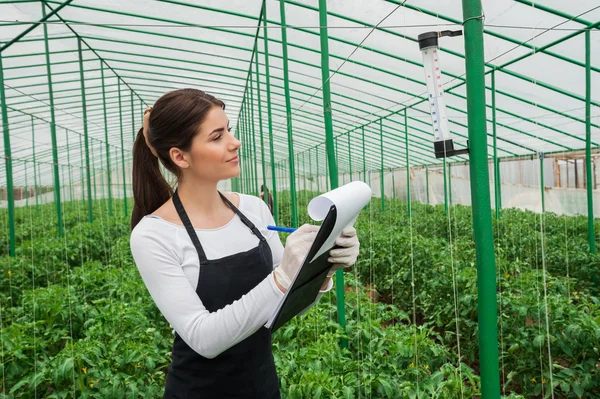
(428, 43)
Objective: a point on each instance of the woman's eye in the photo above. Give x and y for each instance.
(217, 138)
(229, 129)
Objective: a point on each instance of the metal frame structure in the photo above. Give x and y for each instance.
(89, 71)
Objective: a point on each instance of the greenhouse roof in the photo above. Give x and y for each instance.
(133, 52)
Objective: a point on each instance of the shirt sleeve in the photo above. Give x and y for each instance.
(207, 333)
(277, 250)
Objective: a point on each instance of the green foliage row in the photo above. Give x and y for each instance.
(77, 320)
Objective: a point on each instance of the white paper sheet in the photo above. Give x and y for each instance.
(349, 200)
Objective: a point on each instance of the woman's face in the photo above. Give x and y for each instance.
(214, 151)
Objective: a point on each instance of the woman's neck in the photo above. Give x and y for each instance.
(200, 197)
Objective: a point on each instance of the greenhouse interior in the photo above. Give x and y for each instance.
(475, 123)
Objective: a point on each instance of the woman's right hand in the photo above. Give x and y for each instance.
(296, 247)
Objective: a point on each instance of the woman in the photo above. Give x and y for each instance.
(212, 268)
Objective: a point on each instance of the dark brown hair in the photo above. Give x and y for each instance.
(174, 121)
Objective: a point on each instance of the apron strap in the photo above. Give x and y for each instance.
(244, 219)
(188, 226)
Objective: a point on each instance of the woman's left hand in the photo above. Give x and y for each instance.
(346, 253)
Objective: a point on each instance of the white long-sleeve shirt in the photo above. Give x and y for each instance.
(169, 266)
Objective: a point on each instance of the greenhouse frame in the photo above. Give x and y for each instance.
(320, 93)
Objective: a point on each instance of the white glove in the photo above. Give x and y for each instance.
(296, 247)
(345, 256)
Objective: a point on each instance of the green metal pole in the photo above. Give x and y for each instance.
(108, 171)
(333, 171)
(480, 197)
(242, 123)
(497, 187)
(26, 184)
(10, 195)
(392, 171)
(364, 158)
(381, 166)
(85, 134)
(57, 196)
(132, 120)
(427, 182)
(408, 207)
(335, 147)
(542, 184)
(588, 143)
(262, 137)
(269, 113)
(253, 131)
(310, 170)
(122, 149)
(94, 176)
(304, 177)
(35, 176)
(288, 108)
(69, 165)
(349, 157)
(318, 176)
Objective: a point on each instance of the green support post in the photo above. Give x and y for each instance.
(393, 184)
(69, 165)
(244, 161)
(333, 172)
(427, 182)
(122, 149)
(26, 185)
(254, 155)
(57, 196)
(10, 195)
(288, 108)
(310, 169)
(335, 148)
(269, 113)
(132, 120)
(349, 157)
(94, 176)
(542, 183)
(35, 177)
(85, 134)
(108, 174)
(480, 197)
(408, 207)
(318, 177)
(262, 137)
(381, 166)
(364, 158)
(588, 143)
(497, 188)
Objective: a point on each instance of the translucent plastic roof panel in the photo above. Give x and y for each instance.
(133, 52)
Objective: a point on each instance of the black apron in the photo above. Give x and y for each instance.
(246, 370)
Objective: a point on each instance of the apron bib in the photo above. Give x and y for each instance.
(246, 370)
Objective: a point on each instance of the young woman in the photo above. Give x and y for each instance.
(211, 266)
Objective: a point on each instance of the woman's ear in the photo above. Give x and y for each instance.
(179, 158)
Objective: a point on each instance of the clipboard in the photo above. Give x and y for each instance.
(307, 283)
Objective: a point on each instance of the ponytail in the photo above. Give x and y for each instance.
(150, 188)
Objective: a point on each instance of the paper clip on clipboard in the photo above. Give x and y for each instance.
(310, 277)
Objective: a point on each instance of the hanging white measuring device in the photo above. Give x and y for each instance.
(443, 145)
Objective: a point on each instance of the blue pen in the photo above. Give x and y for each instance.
(282, 229)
